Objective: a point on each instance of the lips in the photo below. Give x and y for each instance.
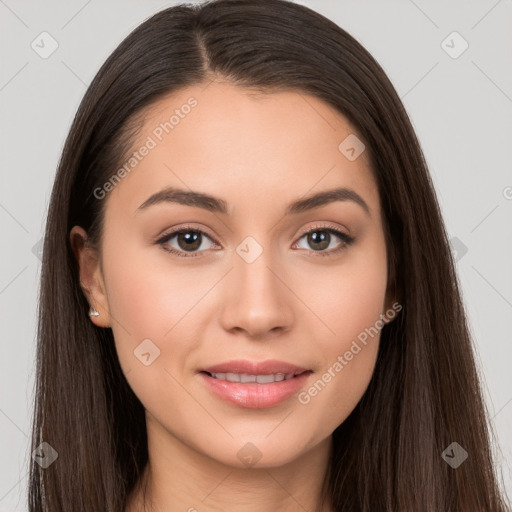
(255, 385)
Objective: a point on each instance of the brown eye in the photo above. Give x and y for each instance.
(320, 238)
(188, 240)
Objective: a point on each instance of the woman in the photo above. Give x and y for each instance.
(259, 308)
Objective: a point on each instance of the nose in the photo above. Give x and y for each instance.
(257, 299)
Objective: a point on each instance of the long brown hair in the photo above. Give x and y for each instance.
(425, 391)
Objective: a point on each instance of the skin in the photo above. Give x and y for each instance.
(258, 153)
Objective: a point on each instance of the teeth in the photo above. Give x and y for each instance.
(265, 379)
(245, 378)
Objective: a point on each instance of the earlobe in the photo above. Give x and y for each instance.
(91, 277)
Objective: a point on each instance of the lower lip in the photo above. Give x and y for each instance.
(254, 395)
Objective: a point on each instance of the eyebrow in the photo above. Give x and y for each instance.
(215, 204)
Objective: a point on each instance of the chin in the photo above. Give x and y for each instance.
(261, 451)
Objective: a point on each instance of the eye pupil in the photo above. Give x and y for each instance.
(191, 240)
(313, 239)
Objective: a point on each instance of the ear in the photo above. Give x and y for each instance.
(91, 275)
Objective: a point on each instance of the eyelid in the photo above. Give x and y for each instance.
(172, 231)
(326, 227)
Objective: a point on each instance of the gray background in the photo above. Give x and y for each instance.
(460, 107)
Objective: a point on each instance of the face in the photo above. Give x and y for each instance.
(245, 276)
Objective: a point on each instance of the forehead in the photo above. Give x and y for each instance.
(243, 145)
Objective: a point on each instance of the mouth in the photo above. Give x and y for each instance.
(246, 378)
(254, 391)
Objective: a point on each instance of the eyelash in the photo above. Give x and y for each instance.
(346, 240)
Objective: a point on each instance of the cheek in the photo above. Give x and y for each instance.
(148, 298)
(350, 308)
(152, 302)
(349, 296)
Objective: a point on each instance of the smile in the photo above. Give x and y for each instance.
(246, 378)
(254, 391)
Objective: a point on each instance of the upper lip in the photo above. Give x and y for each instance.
(255, 367)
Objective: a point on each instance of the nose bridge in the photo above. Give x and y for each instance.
(258, 301)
